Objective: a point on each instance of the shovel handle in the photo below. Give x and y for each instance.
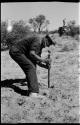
(49, 70)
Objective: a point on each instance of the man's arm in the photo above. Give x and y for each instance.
(41, 62)
(43, 65)
(35, 56)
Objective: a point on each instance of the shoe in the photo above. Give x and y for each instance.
(36, 95)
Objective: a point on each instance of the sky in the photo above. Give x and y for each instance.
(55, 12)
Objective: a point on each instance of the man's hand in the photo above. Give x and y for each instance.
(47, 66)
(47, 61)
(41, 62)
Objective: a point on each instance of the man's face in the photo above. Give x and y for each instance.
(49, 41)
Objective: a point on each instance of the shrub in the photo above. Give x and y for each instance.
(74, 31)
(20, 30)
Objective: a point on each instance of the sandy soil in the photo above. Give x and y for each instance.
(61, 102)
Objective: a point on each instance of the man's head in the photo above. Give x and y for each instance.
(47, 41)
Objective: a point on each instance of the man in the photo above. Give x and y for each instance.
(26, 53)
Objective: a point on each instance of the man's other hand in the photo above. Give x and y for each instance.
(47, 61)
(48, 66)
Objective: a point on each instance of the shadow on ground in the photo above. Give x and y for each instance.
(10, 84)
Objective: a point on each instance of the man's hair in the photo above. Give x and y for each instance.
(46, 41)
(50, 41)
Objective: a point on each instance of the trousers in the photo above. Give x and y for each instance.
(28, 67)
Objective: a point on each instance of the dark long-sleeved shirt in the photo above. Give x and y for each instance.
(27, 44)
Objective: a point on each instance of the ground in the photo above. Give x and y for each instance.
(61, 102)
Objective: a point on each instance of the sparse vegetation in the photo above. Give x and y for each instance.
(70, 29)
(61, 102)
(39, 25)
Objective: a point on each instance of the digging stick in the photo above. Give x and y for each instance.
(49, 70)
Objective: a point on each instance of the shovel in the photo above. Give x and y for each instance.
(49, 70)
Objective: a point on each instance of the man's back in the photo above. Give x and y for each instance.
(29, 43)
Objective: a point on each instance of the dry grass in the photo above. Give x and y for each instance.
(61, 104)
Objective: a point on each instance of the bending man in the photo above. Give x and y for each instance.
(26, 53)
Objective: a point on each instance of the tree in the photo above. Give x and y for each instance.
(74, 29)
(3, 32)
(20, 30)
(33, 24)
(39, 23)
(71, 23)
(64, 22)
(69, 29)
